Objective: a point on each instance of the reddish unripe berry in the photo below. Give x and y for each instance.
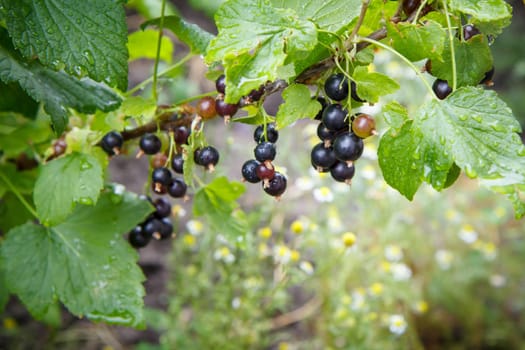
(364, 126)
(206, 107)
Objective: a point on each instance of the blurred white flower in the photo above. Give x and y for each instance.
(467, 234)
(282, 254)
(397, 324)
(236, 302)
(224, 254)
(358, 300)
(304, 183)
(194, 227)
(498, 281)
(400, 272)
(306, 267)
(323, 194)
(444, 259)
(393, 253)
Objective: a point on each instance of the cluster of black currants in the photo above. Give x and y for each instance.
(261, 168)
(340, 147)
(157, 226)
(441, 87)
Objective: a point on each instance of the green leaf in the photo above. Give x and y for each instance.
(191, 34)
(473, 129)
(394, 115)
(415, 41)
(14, 99)
(400, 168)
(19, 134)
(57, 90)
(12, 212)
(4, 292)
(64, 182)
(143, 44)
(491, 16)
(83, 262)
(473, 60)
(86, 38)
(297, 104)
(254, 41)
(372, 85)
(217, 201)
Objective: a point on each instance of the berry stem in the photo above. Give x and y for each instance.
(410, 64)
(196, 97)
(172, 148)
(364, 7)
(157, 56)
(418, 12)
(167, 71)
(452, 50)
(18, 195)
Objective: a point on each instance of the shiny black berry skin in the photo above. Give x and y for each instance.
(225, 109)
(342, 172)
(256, 94)
(324, 134)
(249, 171)
(353, 93)
(469, 31)
(177, 163)
(265, 151)
(335, 117)
(137, 238)
(271, 133)
(220, 84)
(348, 147)
(441, 88)
(165, 228)
(151, 227)
(150, 144)
(208, 156)
(181, 135)
(487, 79)
(276, 186)
(264, 173)
(410, 6)
(336, 87)
(161, 176)
(162, 208)
(323, 103)
(322, 157)
(178, 188)
(112, 142)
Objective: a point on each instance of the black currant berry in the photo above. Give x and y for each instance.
(428, 67)
(249, 171)
(334, 117)
(181, 134)
(161, 176)
(409, 6)
(441, 88)
(220, 84)
(469, 31)
(336, 87)
(342, 172)
(150, 144)
(324, 134)
(322, 157)
(112, 142)
(177, 164)
(137, 238)
(264, 173)
(208, 157)
(162, 208)
(178, 188)
(276, 186)
(271, 133)
(225, 109)
(265, 151)
(165, 229)
(206, 107)
(363, 126)
(323, 103)
(151, 227)
(348, 147)
(256, 94)
(487, 79)
(353, 93)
